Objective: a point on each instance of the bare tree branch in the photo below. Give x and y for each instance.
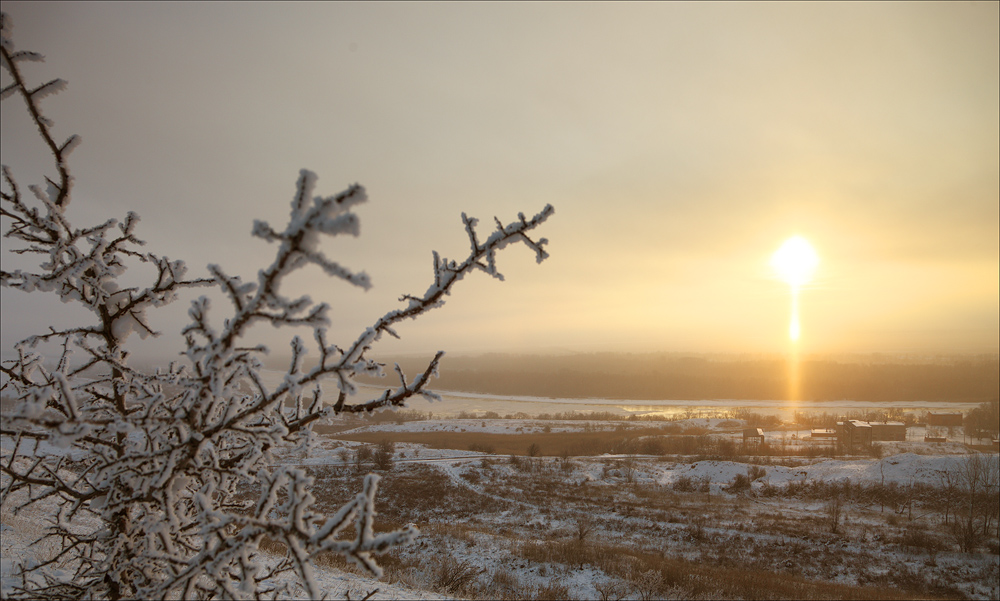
(162, 460)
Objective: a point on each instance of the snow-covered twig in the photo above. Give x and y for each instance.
(164, 461)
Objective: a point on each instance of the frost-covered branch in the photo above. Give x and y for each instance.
(177, 465)
(58, 193)
(446, 275)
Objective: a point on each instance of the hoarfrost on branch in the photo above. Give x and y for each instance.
(164, 460)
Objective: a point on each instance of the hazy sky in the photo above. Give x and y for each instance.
(680, 144)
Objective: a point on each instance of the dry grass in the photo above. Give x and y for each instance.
(31, 526)
(409, 493)
(650, 576)
(709, 557)
(552, 444)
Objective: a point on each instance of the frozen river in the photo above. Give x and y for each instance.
(454, 403)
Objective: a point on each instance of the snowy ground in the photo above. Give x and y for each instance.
(636, 503)
(627, 526)
(499, 512)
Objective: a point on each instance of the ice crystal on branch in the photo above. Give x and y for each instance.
(163, 461)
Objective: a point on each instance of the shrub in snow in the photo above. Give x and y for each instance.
(163, 462)
(382, 457)
(740, 483)
(756, 472)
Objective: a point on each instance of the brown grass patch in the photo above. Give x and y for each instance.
(552, 444)
(702, 580)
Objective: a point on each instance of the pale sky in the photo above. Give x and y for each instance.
(681, 144)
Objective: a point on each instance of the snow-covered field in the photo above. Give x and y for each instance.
(639, 526)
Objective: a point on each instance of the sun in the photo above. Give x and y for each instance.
(795, 261)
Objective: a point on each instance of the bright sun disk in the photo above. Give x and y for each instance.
(795, 261)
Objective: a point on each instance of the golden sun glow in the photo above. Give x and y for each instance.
(795, 261)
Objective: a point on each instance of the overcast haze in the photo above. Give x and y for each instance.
(680, 144)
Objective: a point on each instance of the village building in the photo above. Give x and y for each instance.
(854, 433)
(888, 431)
(941, 418)
(823, 433)
(753, 436)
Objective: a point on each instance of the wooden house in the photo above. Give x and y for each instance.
(753, 436)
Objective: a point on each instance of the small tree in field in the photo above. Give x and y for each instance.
(162, 462)
(382, 457)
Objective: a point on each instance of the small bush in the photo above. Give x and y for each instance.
(584, 526)
(611, 590)
(482, 448)
(727, 449)
(696, 528)
(652, 446)
(684, 484)
(382, 457)
(834, 512)
(565, 464)
(362, 455)
(918, 538)
(770, 490)
(649, 585)
(740, 483)
(553, 591)
(453, 577)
